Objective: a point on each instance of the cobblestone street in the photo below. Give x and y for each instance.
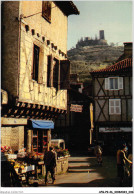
(85, 172)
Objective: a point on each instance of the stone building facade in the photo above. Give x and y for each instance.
(35, 69)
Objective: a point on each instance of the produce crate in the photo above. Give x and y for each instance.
(11, 156)
(30, 168)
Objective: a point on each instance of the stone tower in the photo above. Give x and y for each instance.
(102, 35)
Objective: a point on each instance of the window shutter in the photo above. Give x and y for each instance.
(64, 74)
(41, 63)
(111, 107)
(49, 72)
(106, 83)
(55, 74)
(46, 10)
(120, 82)
(118, 106)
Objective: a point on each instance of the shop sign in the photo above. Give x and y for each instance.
(114, 129)
(76, 108)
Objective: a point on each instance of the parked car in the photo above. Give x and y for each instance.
(60, 143)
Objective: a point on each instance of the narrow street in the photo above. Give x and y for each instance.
(85, 172)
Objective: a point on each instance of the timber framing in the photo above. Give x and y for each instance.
(102, 95)
(29, 110)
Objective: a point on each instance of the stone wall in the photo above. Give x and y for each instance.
(29, 90)
(56, 31)
(18, 42)
(10, 40)
(62, 165)
(13, 137)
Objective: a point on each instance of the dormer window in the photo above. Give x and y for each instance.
(46, 10)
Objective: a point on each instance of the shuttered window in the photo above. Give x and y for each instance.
(64, 74)
(46, 10)
(114, 83)
(58, 73)
(114, 106)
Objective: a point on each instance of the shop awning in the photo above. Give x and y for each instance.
(42, 124)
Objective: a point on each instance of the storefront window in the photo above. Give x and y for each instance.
(39, 140)
(35, 140)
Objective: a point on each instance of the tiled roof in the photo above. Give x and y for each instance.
(121, 65)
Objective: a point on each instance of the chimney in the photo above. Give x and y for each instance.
(128, 49)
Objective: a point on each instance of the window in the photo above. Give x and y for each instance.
(40, 140)
(58, 73)
(113, 83)
(53, 72)
(35, 63)
(46, 10)
(49, 71)
(64, 74)
(114, 106)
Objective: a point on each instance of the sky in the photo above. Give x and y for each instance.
(114, 17)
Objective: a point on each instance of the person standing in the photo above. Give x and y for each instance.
(50, 164)
(121, 160)
(98, 154)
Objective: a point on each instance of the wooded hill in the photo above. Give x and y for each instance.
(89, 58)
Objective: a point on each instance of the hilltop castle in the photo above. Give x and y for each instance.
(91, 42)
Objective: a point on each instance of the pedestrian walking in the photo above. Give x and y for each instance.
(50, 164)
(121, 160)
(98, 154)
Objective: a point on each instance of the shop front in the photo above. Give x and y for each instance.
(38, 135)
(113, 136)
(25, 160)
(26, 163)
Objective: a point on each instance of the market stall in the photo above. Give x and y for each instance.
(27, 163)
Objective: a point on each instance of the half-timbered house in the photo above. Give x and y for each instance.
(112, 92)
(35, 70)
